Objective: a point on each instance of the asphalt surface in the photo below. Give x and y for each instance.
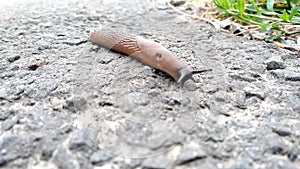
(66, 103)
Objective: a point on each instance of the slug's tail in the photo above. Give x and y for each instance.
(186, 74)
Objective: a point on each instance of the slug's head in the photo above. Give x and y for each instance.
(186, 74)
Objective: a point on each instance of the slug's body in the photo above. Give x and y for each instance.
(148, 52)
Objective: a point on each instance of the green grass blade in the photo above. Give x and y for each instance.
(276, 27)
(293, 13)
(295, 1)
(265, 27)
(270, 4)
(241, 6)
(221, 4)
(284, 16)
(253, 3)
(274, 37)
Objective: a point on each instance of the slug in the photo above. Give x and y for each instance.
(146, 51)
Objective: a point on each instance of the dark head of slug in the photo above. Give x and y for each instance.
(186, 74)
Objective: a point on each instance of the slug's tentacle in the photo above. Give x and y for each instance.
(148, 52)
(186, 74)
(201, 71)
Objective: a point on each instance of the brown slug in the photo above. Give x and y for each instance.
(146, 51)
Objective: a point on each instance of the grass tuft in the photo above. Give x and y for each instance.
(275, 21)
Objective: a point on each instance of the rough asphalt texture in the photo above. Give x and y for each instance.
(66, 103)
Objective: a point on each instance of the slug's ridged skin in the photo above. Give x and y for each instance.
(148, 52)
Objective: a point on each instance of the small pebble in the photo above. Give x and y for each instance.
(274, 62)
(13, 58)
(4, 94)
(293, 153)
(250, 91)
(35, 63)
(286, 75)
(9, 123)
(100, 156)
(241, 100)
(177, 2)
(75, 102)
